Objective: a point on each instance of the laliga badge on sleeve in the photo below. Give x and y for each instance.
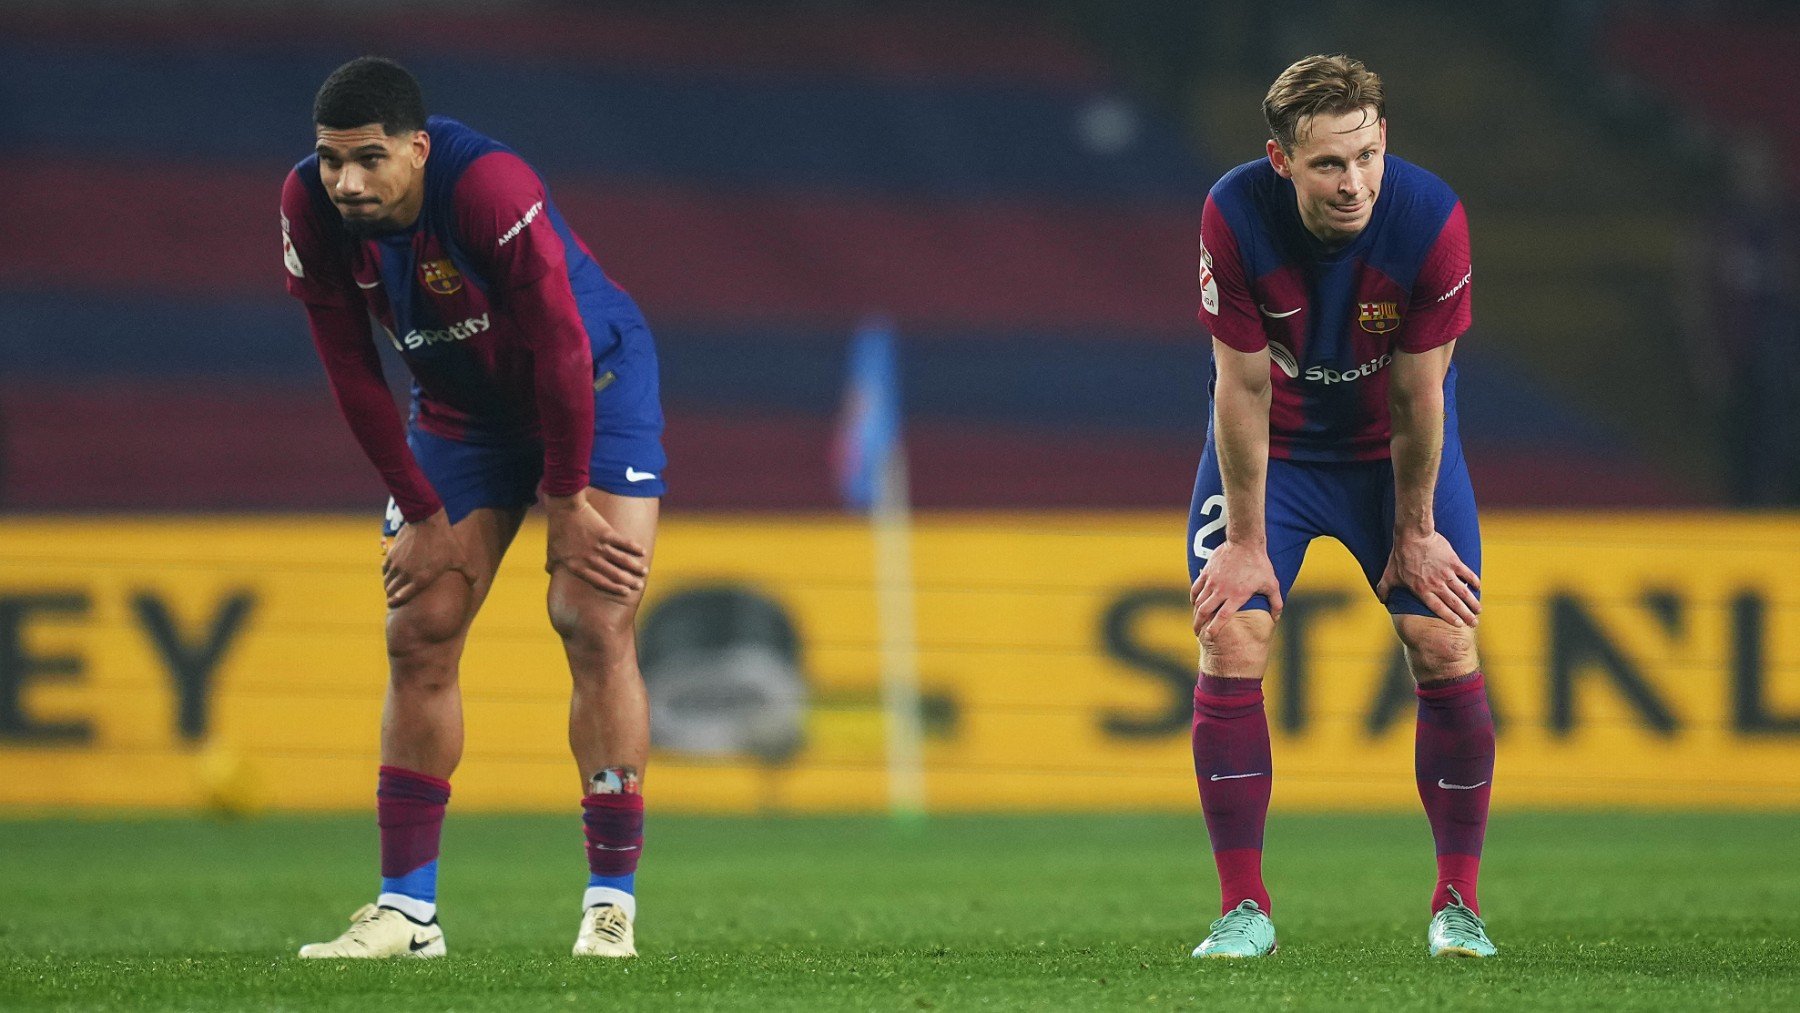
(1209, 285)
(289, 255)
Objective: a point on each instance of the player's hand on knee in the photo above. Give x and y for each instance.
(582, 542)
(1234, 573)
(1429, 567)
(421, 552)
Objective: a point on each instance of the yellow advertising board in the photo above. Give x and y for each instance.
(1644, 660)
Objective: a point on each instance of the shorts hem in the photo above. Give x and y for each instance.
(635, 490)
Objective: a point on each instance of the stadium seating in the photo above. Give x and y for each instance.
(758, 181)
(1726, 65)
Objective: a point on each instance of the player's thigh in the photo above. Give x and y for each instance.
(486, 489)
(1436, 649)
(625, 473)
(471, 476)
(1453, 505)
(484, 535)
(440, 614)
(581, 611)
(1365, 521)
(628, 458)
(1287, 528)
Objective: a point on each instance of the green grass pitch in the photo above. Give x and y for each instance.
(1591, 911)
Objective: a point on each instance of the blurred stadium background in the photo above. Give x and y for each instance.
(188, 585)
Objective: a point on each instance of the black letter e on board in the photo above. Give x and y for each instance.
(18, 666)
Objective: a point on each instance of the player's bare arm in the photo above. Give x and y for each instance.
(582, 542)
(1422, 559)
(1240, 567)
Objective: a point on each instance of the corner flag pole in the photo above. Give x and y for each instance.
(869, 456)
(892, 522)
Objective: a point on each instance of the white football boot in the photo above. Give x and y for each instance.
(380, 932)
(605, 932)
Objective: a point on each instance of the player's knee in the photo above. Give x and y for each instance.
(593, 627)
(423, 628)
(1437, 650)
(1239, 647)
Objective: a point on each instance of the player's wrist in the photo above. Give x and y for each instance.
(435, 519)
(563, 504)
(1416, 530)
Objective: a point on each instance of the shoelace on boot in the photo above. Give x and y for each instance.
(611, 924)
(1235, 925)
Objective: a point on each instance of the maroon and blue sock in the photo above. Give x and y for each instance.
(409, 807)
(614, 821)
(1232, 765)
(1453, 756)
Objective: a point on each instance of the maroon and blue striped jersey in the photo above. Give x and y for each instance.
(1332, 318)
(498, 309)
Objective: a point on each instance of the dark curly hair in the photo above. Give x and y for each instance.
(371, 89)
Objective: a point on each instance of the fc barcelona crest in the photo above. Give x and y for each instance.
(1378, 317)
(441, 276)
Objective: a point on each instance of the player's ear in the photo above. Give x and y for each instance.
(421, 147)
(1278, 158)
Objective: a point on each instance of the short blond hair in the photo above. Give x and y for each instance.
(1332, 85)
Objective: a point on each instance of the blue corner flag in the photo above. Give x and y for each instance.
(868, 432)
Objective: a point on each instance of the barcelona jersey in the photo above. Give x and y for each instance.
(528, 362)
(1332, 318)
(439, 289)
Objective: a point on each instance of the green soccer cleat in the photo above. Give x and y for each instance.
(1244, 931)
(1457, 931)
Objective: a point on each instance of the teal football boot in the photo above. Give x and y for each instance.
(1457, 931)
(1244, 931)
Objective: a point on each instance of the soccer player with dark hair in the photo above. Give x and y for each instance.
(534, 380)
(1334, 279)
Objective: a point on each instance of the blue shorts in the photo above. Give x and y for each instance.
(1353, 503)
(627, 459)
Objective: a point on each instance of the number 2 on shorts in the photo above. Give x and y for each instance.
(1213, 503)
